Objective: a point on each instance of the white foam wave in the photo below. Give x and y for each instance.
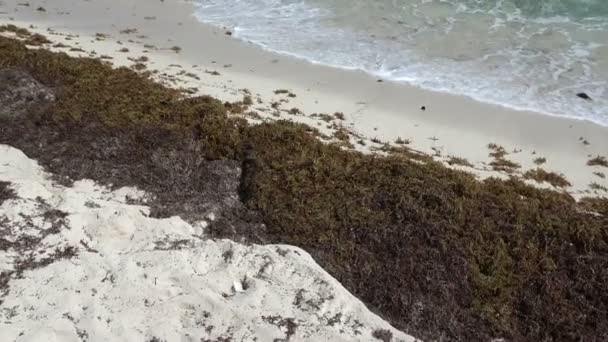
(496, 56)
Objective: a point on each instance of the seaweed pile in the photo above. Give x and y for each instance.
(440, 254)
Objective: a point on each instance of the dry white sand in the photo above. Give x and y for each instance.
(450, 125)
(136, 278)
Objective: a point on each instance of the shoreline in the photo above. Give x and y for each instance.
(451, 125)
(377, 76)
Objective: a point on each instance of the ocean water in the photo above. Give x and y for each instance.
(525, 54)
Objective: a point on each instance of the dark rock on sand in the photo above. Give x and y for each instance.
(584, 96)
(19, 92)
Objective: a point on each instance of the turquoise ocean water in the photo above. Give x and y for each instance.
(525, 54)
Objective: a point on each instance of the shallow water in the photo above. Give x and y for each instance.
(526, 54)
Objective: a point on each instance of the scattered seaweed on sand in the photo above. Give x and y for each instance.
(497, 151)
(540, 161)
(597, 187)
(192, 75)
(504, 165)
(247, 100)
(400, 141)
(284, 92)
(323, 116)
(36, 40)
(18, 31)
(459, 161)
(128, 31)
(295, 111)
(141, 59)
(342, 134)
(139, 66)
(236, 107)
(500, 163)
(600, 174)
(540, 175)
(32, 39)
(468, 260)
(598, 161)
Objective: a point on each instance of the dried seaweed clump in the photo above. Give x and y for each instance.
(598, 161)
(540, 175)
(459, 161)
(29, 38)
(500, 163)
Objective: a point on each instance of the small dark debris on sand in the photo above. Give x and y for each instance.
(584, 96)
